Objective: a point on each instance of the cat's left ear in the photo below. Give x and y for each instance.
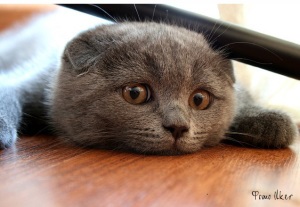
(80, 53)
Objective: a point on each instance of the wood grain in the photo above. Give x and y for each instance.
(42, 171)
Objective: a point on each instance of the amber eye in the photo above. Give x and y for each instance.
(136, 93)
(200, 99)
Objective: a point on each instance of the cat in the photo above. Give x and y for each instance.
(144, 87)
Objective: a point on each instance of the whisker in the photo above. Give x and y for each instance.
(221, 33)
(137, 12)
(153, 12)
(240, 142)
(39, 132)
(83, 73)
(214, 31)
(98, 7)
(167, 16)
(241, 133)
(244, 134)
(211, 31)
(35, 117)
(251, 61)
(250, 43)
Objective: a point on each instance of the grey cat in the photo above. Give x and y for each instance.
(144, 87)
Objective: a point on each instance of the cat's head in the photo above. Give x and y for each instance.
(146, 87)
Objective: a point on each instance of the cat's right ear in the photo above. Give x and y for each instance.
(80, 54)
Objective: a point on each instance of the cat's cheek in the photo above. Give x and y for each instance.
(213, 141)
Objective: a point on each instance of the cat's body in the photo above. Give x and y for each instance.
(145, 87)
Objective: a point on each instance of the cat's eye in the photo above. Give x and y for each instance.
(200, 99)
(136, 93)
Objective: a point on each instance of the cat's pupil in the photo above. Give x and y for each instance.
(135, 92)
(198, 98)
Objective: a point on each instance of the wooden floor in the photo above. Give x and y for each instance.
(41, 171)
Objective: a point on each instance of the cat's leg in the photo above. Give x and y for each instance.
(260, 127)
(10, 116)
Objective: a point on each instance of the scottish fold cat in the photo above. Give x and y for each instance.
(140, 86)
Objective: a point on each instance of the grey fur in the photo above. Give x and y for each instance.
(85, 103)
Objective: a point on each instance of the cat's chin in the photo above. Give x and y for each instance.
(174, 152)
(169, 152)
(166, 152)
(174, 149)
(170, 147)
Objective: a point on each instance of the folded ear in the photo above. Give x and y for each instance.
(81, 53)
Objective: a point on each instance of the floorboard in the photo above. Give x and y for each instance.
(42, 170)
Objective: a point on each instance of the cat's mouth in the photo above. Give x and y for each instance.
(175, 147)
(175, 150)
(179, 147)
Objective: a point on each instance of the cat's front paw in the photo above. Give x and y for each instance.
(265, 128)
(8, 134)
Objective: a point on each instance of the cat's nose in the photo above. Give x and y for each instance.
(177, 131)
